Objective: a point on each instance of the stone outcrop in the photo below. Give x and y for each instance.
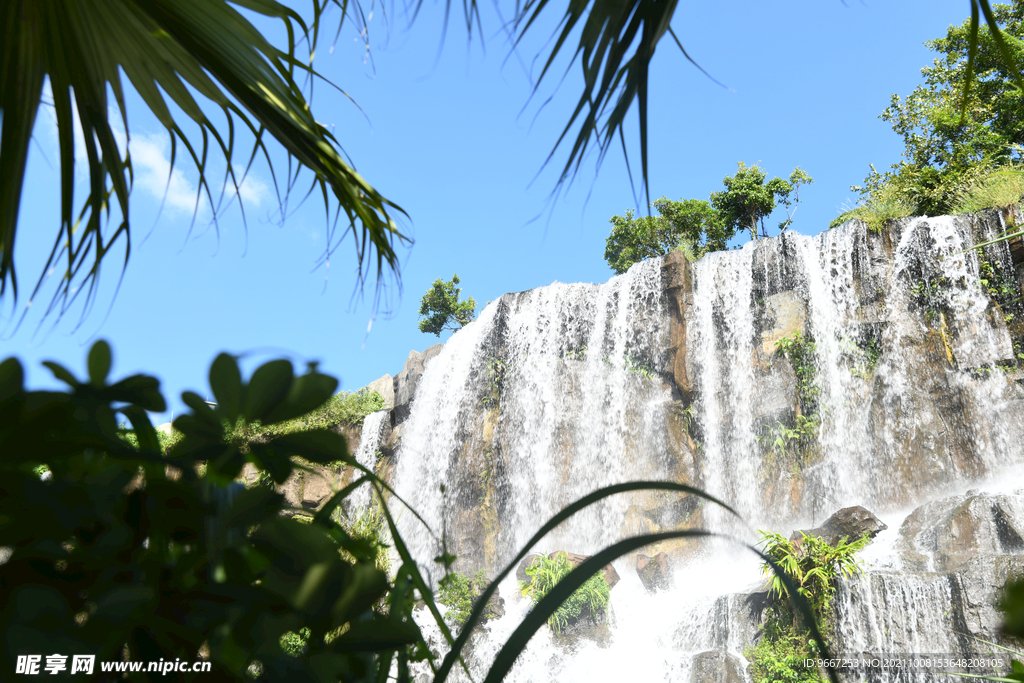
(850, 523)
(406, 381)
(956, 555)
(785, 315)
(655, 572)
(953, 558)
(385, 386)
(717, 667)
(946, 534)
(678, 286)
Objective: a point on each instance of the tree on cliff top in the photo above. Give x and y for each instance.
(747, 199)
(965, 120)
(441, 308)
(691, 225)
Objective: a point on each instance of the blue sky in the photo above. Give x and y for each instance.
(450, 133)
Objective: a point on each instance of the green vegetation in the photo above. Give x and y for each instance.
(814, 567)
(962, 128)
(442, 309)
(495, 382)
(124, 535)
(346, 408)
(870, 352)
(801, 354)
(295, 644)
(793, 444)
(590, 601)
(877, 208)
(369, 526)
(691, 226)
(748, 199)
(1002, 288)
(638, 366)
(458, 593)
(281, 594)
(696, 226)
(1001, 187)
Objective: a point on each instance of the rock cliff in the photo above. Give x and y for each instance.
(793, 377)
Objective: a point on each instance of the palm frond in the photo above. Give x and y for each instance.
(615, 73)
(166, 48)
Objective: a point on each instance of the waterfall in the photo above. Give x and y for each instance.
(898, 399)
(366, 455)
(548, 390)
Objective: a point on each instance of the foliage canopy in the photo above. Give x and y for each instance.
(128, 549)
(441, 307)
(690, 225)
(964, 121)
(749, 197)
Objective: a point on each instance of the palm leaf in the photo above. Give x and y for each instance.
(167, 49)
(614, 72)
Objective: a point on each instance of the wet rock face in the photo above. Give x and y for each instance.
(678, 285)
(717, 667)
(850, 523)
(406, 382)
(955, 556)
(785, 315)
(946, 534)
(655, 572)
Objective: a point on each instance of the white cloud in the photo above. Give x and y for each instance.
(151, 164)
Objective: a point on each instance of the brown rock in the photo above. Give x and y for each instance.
(675, 276)
(316, 490)
(654, 572)
(850, 523)
(786, 315)
(717, 667)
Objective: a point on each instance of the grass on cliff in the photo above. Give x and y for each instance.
(815, 567)
(991, 189)
(1001, 187)
(457, 592)
(347, 409)
(879, 208)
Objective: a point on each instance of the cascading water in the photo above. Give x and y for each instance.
(366, 455)
(534, 405)
(555, 392)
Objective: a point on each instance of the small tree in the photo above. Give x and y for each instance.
(691, 225)
(748, 199)
(441, 309)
